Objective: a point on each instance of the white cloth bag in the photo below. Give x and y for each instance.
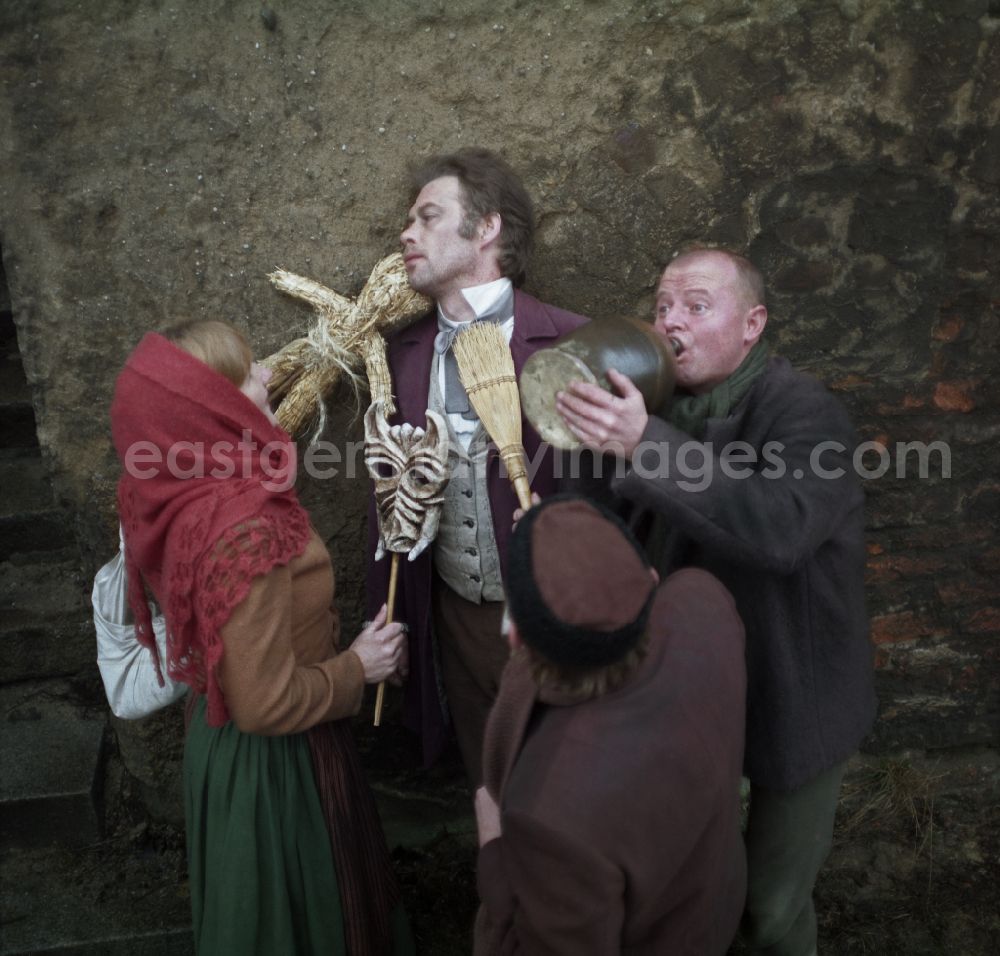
(127, 668)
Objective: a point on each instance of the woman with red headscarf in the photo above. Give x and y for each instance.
(285, 850)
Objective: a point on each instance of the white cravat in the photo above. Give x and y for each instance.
(482, 299)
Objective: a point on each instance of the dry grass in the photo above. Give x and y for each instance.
(894, 791)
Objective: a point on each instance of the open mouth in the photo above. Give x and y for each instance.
(676, 345)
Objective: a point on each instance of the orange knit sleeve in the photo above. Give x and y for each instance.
(266, 688)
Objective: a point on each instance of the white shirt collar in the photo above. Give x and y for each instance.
(481, 298)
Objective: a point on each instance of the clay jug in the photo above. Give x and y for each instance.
(585, 354)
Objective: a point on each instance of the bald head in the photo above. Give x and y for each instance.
(710, 308)
(746, 274)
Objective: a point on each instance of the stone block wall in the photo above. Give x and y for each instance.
(160, 159)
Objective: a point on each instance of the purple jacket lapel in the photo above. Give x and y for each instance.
(531, 324)
(411, 353)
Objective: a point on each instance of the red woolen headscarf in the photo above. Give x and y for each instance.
(206, 501)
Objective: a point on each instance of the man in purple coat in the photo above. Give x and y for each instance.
(466, 245)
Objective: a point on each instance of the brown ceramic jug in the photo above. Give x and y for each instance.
(628, 345)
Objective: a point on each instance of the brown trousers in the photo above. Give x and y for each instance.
(473, 656)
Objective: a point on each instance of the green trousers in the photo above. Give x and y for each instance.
(788, 837)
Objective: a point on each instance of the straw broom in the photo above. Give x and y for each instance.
(486, 369)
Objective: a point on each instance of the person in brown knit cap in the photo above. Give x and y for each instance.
(609, 816)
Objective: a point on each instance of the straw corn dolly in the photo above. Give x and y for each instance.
(346, 334)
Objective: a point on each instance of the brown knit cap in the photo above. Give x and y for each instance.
(578, 585)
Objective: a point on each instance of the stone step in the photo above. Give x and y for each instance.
(46, 624)
(51, 745)
(42, 587)
(17, 415)
(175, 942)
(64, 649)
(13, 382)
(33, 532)
(26, 487)
(29, 519)
(107, 899)
(17, 424)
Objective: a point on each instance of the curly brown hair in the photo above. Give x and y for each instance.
(489, 185)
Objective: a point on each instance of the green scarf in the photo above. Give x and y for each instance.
(690, 412)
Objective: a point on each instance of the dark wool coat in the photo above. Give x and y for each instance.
(410, 353)
(620, 814)
(787, 539)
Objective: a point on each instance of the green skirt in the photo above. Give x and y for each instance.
(261, 869)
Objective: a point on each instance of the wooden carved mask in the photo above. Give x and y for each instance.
(409, 467)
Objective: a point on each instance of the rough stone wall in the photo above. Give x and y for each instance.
(160, 158)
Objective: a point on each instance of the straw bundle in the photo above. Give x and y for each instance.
(486, 369)
(379, 376)
(345, 334)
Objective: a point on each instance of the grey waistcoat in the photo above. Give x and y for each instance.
(465, 550)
